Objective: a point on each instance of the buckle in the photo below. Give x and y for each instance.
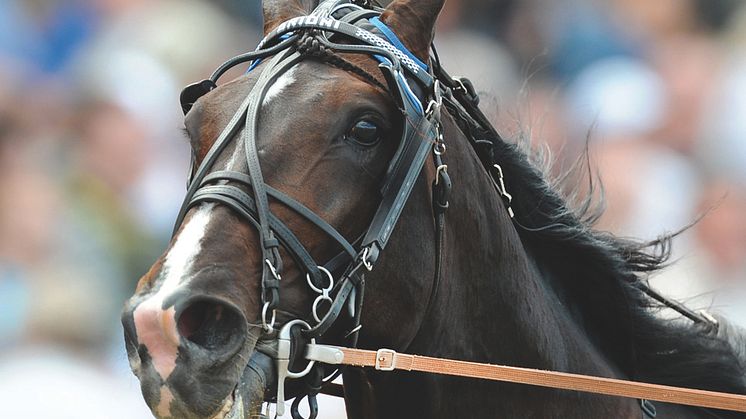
(467, 88)
(433, 108)
(648, 409)
(385, 360)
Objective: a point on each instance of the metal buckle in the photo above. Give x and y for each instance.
(461, 86)
(648, 409)
(268, 327)
(366, 254)
(437, 101)
(440, 147)
(443, 168)
(383, 356)
(272, 269)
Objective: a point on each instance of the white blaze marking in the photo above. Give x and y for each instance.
(281, 84)
(156, 327)
(274, 91)
(188, 245)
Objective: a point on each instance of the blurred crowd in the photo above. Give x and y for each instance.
(93, 161)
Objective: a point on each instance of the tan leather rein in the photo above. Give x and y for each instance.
(388, 360)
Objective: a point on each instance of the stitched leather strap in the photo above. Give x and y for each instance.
(330, 25)
(388, 360)
(290, 203)
(403, 174)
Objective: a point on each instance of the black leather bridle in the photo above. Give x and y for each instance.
(336, 26)
(420, 134)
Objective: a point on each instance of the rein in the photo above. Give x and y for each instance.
(388, 360)
(420, 91)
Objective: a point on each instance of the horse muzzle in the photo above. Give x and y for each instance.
(197, 359)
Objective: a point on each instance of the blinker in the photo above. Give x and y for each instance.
(193, 92)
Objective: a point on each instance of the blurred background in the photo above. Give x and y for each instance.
(93, 163)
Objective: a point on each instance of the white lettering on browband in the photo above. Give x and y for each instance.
(324, 22)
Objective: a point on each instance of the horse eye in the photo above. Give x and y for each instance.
(365, 132)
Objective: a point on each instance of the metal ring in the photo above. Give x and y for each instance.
(317, 289)
(439, 148)
(316, 302)
(271, 326)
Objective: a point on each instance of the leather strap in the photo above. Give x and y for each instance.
(234, 197)
(388, 360)
(291, 203)
(402, 178)
(252, 56)
(269, 244)
(384, 47)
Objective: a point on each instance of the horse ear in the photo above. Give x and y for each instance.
(278, 11)
(413, 21)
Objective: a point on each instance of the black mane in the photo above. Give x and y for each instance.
(599, 275)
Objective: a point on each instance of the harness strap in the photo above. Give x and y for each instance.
(402, 177)
(385, 48)
(270, 246)
(236, 198)
(388, 360)
(194, 91)
(441, 190)
(221, 142)
(290, 203)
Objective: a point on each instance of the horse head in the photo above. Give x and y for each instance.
(291, 162)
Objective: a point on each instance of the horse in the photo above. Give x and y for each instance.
(479, 259)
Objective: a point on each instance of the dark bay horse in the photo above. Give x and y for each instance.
(542, 290)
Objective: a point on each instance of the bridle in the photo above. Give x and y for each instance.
(420, 92)
(339, 27)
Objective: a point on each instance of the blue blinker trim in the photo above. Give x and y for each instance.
(394, 40)
(403, 82)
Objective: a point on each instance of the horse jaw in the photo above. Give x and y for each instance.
(247, 398)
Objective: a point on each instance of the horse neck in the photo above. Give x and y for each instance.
(493, 304)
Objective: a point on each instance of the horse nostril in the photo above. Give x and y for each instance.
(210, 324)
